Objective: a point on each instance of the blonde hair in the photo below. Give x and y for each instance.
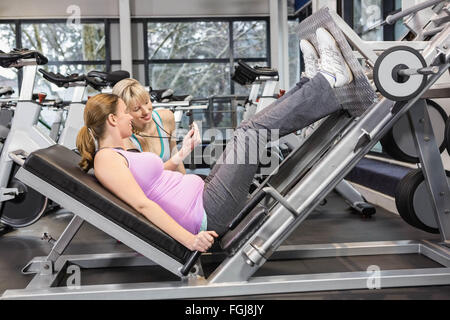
(97, 110)
(131, 92)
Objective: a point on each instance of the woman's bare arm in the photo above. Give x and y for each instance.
(111, 169)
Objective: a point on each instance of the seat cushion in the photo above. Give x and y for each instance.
(58, 166)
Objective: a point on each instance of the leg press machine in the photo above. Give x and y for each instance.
(256, 236)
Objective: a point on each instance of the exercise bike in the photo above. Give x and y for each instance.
(21, 206)
(16, 200)
(74, 119)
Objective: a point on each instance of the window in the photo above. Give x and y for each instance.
(400, 29)
(197, 79)
(197, 57)
(249, 39)
(176, 51)
(188, 40)
(64, 42)
(69, 49)
(191, 56)
(367, 17)
(8, 76)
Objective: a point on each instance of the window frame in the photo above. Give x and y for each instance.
(231, 60)
(108, 62)
(105, 21)
(18, 31)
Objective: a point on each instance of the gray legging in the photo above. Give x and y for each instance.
(227, 186)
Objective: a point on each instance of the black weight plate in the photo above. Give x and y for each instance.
(4, 229)
(24, 209)
(391, 146)
(404, 200)
(447, 135)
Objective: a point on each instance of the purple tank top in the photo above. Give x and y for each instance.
(180, 196)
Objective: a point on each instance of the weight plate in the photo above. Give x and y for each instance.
(398, 142)
(413, 202)
(447, 135)
(24, 209)
(390, 61)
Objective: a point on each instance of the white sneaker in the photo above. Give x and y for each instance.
(331, 59)
(310, 57)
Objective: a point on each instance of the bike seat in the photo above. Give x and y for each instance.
(100, 79)
(242, 78)
(186, 97)
(161, 94)
(257, 70)
(8, 60)
(6, 91)
(61, 80)
(244, 74)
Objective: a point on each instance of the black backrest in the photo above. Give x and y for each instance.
(58, 166)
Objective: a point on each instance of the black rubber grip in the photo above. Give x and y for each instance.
(365, 208)
(190, 263)
(61, 80)
(249, 206)
(7, 59)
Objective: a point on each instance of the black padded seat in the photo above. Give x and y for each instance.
(257, 70)
(58, 166)
(244, 74)
(8, 59)
(99, 79)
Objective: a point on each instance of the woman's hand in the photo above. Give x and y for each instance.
(202, 241)
(190, 141)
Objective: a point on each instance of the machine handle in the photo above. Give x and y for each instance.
(391, 19)
(18, 156)
(248, 207)
(190, 263)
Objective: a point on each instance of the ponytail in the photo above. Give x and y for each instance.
(86, 147)
(95, 114)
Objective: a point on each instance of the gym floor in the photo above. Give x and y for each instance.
(331, 223)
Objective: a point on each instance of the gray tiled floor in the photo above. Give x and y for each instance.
(329, 224)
